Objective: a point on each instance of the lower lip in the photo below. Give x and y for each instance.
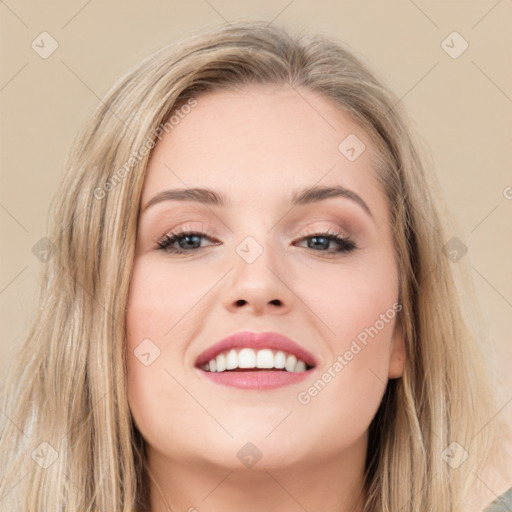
(256, 380)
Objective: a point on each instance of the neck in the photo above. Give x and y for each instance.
(332, 485)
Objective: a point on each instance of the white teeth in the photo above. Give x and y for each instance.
(299, 367)
(291, 361)
(250, 358)
(247, 358)
(265, 358)
(221, 362)
(232, 360)
(280, 360)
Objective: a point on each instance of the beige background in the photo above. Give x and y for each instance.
(462, 108)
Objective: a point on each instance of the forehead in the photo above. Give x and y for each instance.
(260, 140)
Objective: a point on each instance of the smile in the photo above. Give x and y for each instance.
(258, 361)
(250, 359)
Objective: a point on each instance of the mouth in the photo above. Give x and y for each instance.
(249, 360)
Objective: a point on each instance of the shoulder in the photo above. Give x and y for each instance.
(502, 503)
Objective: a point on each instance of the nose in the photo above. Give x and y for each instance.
(259, 287)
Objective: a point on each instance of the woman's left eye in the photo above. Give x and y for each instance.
(190, 241)
(324, 240)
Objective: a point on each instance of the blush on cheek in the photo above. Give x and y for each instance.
(150, 311)
(358, 373)
(343, 409)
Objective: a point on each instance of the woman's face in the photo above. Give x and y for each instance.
(255, 265)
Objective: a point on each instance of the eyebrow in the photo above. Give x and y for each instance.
(299, 197)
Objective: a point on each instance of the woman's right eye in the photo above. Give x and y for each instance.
(187, 241)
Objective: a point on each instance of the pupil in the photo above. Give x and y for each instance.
(188, 238)
(325, 244)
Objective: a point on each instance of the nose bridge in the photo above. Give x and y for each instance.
(258, 246)
(254, 282)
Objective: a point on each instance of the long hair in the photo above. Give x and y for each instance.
(68, 441)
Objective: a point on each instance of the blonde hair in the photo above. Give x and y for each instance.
(68, 387)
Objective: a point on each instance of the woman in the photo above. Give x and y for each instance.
(248, 305)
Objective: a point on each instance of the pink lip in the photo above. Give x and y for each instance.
(255, 340)
(260, 379)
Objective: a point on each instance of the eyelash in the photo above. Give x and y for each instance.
(346, 245)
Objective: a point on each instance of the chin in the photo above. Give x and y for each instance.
(257, 456)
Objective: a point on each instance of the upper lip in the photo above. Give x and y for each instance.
(243, 339)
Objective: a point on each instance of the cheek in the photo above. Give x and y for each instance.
(164, 311)
(358, 309)
(157, 300)
(346, 392)
(354, 300)
(152, 308)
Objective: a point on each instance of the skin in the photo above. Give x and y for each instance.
(254, 146)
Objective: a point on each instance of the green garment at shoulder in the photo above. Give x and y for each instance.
(502, 503)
